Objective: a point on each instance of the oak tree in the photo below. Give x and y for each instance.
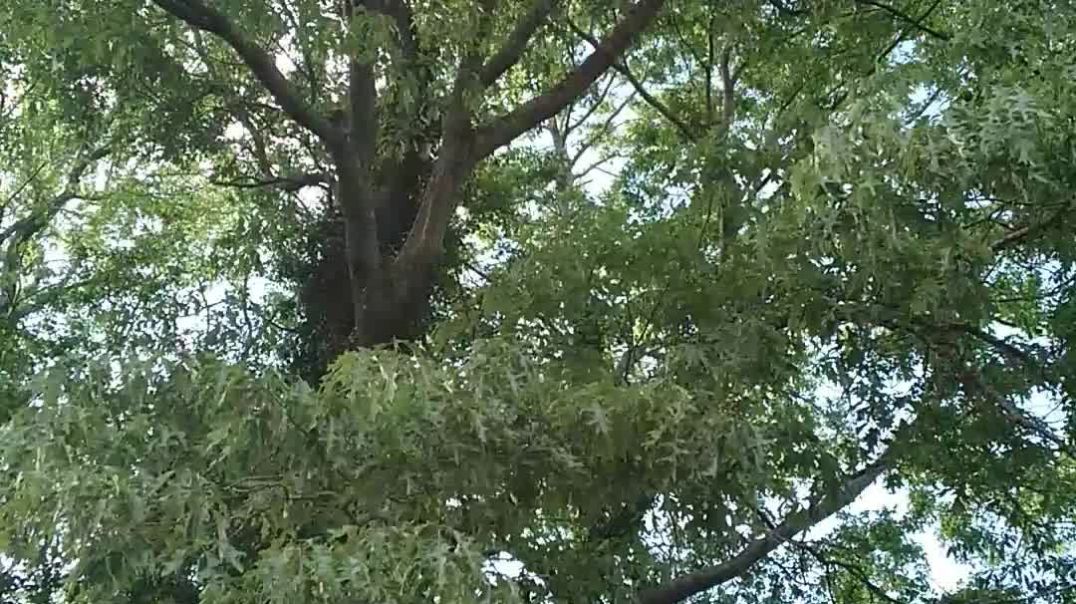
(536, 301)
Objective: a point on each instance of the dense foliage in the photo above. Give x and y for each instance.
(537, 301)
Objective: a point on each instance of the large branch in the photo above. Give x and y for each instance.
(685, 586)
(200, 16)
(396, 170)
(507, 128)
(357, 199)
(400, 13)
(363, 118)
(517, 42)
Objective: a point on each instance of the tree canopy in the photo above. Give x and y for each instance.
(539, 301)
